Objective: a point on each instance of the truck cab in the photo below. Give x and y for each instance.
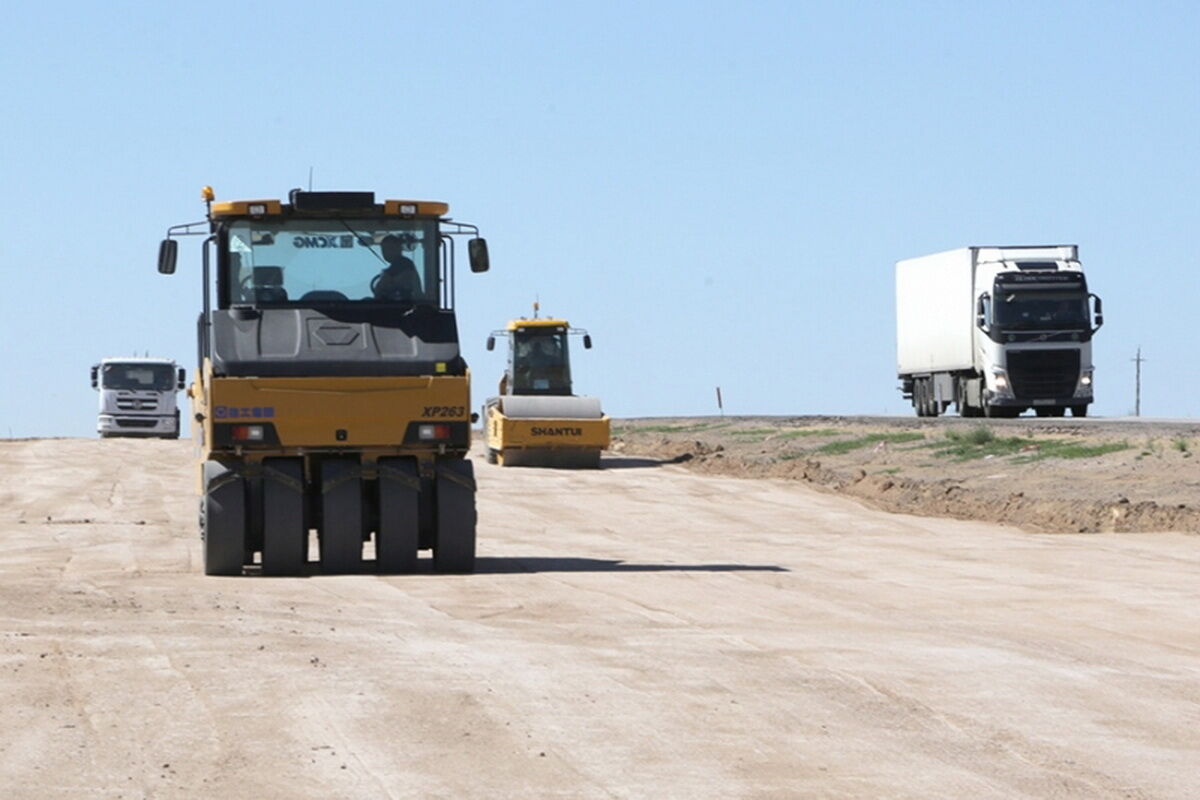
(1033, 333)
(137, 397)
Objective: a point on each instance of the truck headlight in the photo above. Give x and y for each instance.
(1084, 389)
(1000, 382)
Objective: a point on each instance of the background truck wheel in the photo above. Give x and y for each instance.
(175, 433)
(398, 535)
(491, 456)
(341, 515)
(454, 545)
(285, 536)
(1079, 411)
(224, 516)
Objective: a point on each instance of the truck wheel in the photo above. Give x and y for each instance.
(398, 535)
(454, 545)
(341, 515)
(919, 397)
(491, 456)
(224, 516)
(1079, 411)
(285, 536)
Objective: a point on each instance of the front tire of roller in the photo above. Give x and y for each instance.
(285, 536)
(224, 520)
(398, 537)
(341, 516)
(454, 546)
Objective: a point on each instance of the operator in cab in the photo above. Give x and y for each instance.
(399, 281)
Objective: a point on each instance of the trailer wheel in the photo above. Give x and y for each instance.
(491, 456)
(224, 520)
(454, 546)
(285, 536)
(398, 534)
(341, 529)
(1079, 411)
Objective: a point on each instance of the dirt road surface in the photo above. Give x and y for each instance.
(639, 631)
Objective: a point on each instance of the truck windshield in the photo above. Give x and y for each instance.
(540, 363)
(142, 377)
(1041, 310)
(291, 262)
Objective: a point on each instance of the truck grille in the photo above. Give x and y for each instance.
(136, 404)
(1043, 373)
(137, 423)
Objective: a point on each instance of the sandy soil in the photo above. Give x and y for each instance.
(638, 631)
(1052, 475)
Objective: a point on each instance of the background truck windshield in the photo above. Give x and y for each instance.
(142, 377)
(332, 260)
(540, 363)
(1040, 310)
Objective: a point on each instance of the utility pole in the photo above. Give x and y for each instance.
(1137, 395)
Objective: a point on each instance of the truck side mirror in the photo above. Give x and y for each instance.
(1097, 312)
(981, 311)
(167, 252)
(96, 376)
(587, 341)
(477, 248)
(182, 379)
(491, 343)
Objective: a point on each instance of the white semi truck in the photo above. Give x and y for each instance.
(137, 397)
(996, 331)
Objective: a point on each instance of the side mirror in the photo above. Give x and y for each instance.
(96, 376)
(167, 252)
(182, 379)
(477, 248)
(981, 311)
(491, 344)
(587, 341)
(1097, 312)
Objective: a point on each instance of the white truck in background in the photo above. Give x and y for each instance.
(996, 331)
(137, 397)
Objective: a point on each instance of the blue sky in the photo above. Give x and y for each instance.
(718, 192)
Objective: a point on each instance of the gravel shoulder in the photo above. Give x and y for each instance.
(1054, 475)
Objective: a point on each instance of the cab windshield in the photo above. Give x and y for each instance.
(140, 377)
(540, 363)
(305, 261)
(1041, 310)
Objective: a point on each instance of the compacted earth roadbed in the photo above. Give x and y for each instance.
(637, 631)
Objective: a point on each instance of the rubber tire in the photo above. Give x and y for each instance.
(490, 457)
(454, 542)
(397, 539)
(919, 396)
(285, 536)
(1043, 412)
(341, 516)
(1079, 411)
(224, 521)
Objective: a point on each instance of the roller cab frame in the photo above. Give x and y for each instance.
(331, 396)
(535, 420)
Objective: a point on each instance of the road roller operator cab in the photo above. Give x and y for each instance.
(536, 420)
(331, 398)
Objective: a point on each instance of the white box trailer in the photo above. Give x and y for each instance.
(996, 330)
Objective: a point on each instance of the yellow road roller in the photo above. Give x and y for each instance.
(331, 396)
(535, 420)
